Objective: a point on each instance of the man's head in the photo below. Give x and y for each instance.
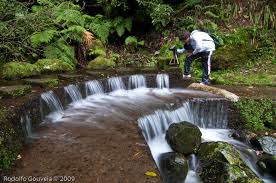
(186, 36)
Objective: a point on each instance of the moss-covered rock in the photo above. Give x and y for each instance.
(14, 70)
(221, 162)
(15, 91)
(44, 83)
(97, 49)
(53, 65)
(9, 141)
(101, 63)
(184, 137)
(231, 56)
(174, 167)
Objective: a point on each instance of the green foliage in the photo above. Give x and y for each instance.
(53, 65)
(14, 70)
(255, 114)
(132, 42)
(39, 38)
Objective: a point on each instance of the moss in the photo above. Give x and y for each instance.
(53, 65)
(101, 63)
(9, 141)
(97, 49)
(14, 70)
(221, 162)
(45, 83)
(15, 91)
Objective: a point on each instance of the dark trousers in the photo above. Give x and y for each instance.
(205, 61)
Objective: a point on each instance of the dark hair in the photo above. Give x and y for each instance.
(186, 35)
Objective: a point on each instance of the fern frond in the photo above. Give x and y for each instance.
(61, 50)
(87, 39)
(39, 38)
(74, 33)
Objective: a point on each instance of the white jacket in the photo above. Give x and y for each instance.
(201, 41)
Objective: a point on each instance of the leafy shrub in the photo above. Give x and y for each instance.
(133, 42)
(256, 114)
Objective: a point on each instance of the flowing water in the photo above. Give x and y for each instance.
(153, 108)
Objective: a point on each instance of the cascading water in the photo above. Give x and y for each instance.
(116, 83)
(74, 92)
(26, 125)
(54, 105)
(93, 87)
(136, 81)
(162, 81)
(212, 114)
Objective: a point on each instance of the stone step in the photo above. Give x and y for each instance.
(70, 77)
(14, 91)
(44, 83)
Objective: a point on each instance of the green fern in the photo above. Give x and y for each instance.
(39, 38)
(131, 40)
(74, 33)
(61, 50)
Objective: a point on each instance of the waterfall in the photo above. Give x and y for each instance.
(74, 92)
(93, 87)
(116, 83)
(136, 81)
(200, 113)
(27, 126)
(162, 81)
(54, 105)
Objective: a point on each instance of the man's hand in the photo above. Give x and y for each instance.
(189, 53)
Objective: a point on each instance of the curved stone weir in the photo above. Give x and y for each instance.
(208, 114)
(97, 112)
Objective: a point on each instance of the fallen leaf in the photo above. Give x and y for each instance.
(151, 174)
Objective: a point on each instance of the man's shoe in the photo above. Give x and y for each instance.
(187, 76)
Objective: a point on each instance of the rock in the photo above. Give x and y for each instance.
(267, 163)
(184, 137)
(173, 167)
(44, 83)
(14, 70)
(53, 65)
(268, 144)
(214, 90)
(100, 63)
(15, 91)
(70, 77)
(221, 162)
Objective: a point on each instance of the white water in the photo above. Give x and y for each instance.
(54, 105)
(154, 127)
(162, 81)
(136, 81)
(74, 92)
(116, 83)
(93, 87)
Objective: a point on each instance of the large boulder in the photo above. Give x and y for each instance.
(174, 167)
(267, 163)
(53, 65)
(184, 137)
(221, 162)
(268, 144)
(17, 70)
(101, 63)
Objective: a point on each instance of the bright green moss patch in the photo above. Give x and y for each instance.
(53, 65)
(101, 63)
(15, 91)
(15, 70)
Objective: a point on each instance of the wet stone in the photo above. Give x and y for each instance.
(15, 91)
(70, 77)
(268, 144)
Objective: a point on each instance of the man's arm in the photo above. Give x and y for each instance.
(182, 50)
(198, 44)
